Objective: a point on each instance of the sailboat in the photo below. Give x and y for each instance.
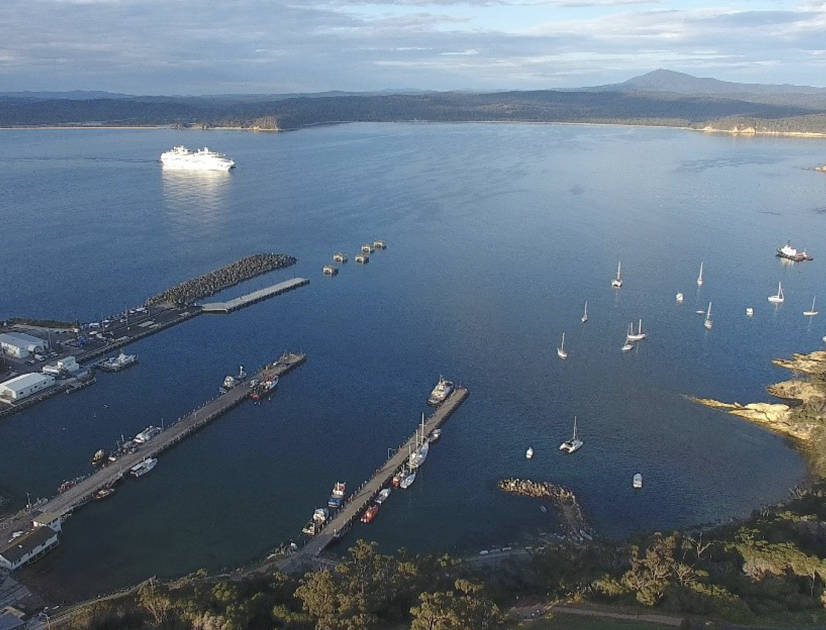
(584, 317)
(628, 345)
(812, 312)
(708, 324)
(700, 277)
(572, 445)
(418, 456)
(777, 299)
(638, 336)
(616, 283)
(560, 351)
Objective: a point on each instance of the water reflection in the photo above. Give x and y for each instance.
(196, 199)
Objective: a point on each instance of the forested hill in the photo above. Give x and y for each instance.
(286, 113)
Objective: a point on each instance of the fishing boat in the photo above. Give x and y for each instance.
(529, 453)
(370, 513)
(100, 458)
(311, 528)
(679, 298)
(700, 277)
(616, 283)
(636, 336)
(437, 433)
(408, 480)
(790, 253)
(139, 470)
(584, 317)
(779, 298)
(572, 445)
(398, 477)
(320, 515)
(382, 496)
(636, 482)
(749, 311)
(337, 495)
(440, 392)
(264, 388)
(708, 323)
(106, 491)
(560, 351)
(811, 312)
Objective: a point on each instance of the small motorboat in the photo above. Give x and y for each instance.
(636, 482)
(529, 453)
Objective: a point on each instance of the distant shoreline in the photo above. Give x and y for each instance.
(747, 132)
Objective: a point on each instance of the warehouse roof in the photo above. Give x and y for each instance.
(21, 339)
(24, 545)
(25, 380)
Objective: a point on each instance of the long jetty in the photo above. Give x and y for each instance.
(370, 488)
(255, 296)
(78, 495)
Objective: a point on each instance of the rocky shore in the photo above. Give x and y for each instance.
(562, 498)
(219, 279)
(803, 417)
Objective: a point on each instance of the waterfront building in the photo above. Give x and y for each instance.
(28, 547)
(20, 387)
(20, 345)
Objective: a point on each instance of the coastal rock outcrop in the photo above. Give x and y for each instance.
(562, 498)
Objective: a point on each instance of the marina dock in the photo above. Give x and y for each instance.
(255, 296)
(78, 495)
(357, 502)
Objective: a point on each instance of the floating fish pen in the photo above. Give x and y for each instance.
(367, 248)
(329, 270)
(379, 244)
(340, 257)
(362, 259)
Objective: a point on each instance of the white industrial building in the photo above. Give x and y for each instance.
(19, 387)
(21, 345)
(28, 547)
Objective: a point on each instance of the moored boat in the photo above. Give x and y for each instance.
(636, 481)
(382, 496)
(139, 470)
(370, 513)
(790, 253)
(263, 388)
(616, 283)
(440, 392)
(572, 445)
(118, 363)
(104, 492)
(337, 495)
(408, 480)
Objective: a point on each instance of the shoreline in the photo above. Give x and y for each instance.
(800, 416)
(745, 132)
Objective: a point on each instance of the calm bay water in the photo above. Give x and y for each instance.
(497, 234)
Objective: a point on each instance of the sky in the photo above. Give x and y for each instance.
(277, 46)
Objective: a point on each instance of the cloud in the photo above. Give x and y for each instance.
(191, 46)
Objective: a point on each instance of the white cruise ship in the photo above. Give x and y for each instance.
(182, 159)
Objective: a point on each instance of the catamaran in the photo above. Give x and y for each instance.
(584, 317)
(811, 312)
(700, 277)
(560, 351)
(708, 324)
(616, 283)
(572, 445)
(777, 299)
(638, 336)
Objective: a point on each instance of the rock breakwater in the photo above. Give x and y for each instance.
(562, 498)
(210, 283)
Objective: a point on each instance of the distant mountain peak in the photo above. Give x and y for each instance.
(664, 80)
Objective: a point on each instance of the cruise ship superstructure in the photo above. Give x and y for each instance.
(182, 159)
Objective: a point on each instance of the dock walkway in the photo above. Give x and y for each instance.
(255, 296)
(369, 489)
(80, 494)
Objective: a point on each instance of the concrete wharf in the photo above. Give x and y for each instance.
(358, 501)
(255, 296)
(78, 495)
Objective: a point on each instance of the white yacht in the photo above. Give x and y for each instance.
(811, 312)
(636, 336)
(708, 323)
(636, 482)
(616, 283)
(628, 345)
(560, 351)
(118, 363)
(418, 456)
(182, 159)
(147, 434)
(139, 470)
(408, 480)
(700, 277)
(572, 445)
(749, 311)
(679, 298)
(779, 298)
(383, 496)
(584, 317)
(529, 453)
